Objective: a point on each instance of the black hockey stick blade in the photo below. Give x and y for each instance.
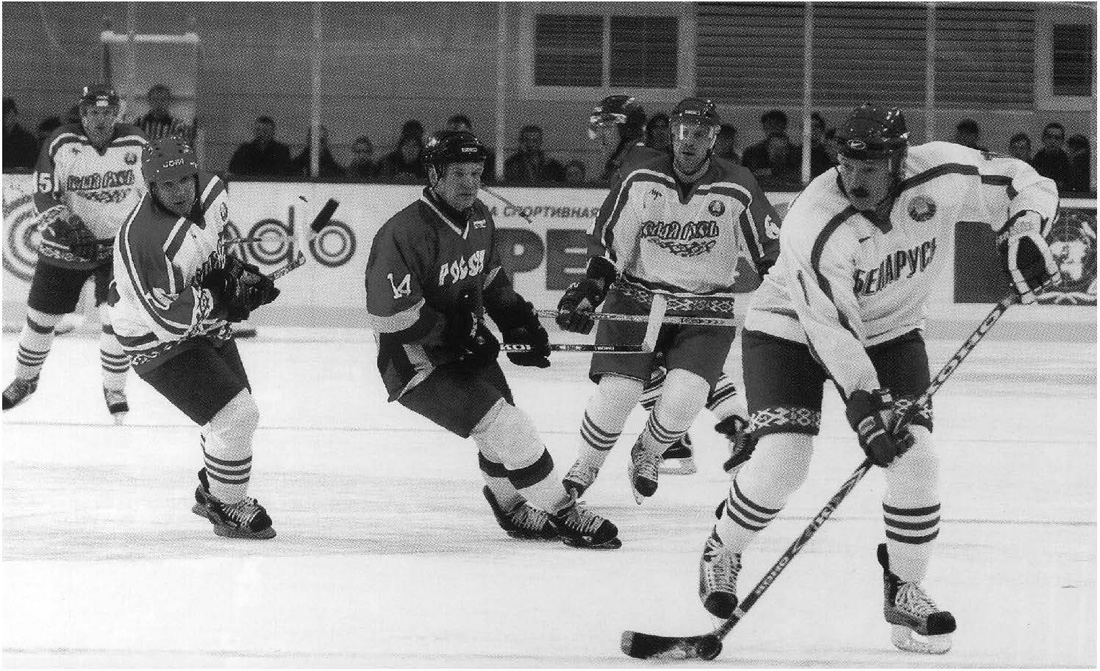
(324, 216)
(651, 646)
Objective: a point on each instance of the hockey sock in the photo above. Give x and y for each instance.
(113, 360)
(495, 475)
(762, 486)
(683, 397)
(652, 390)
(34, 343)
(605, 417)
(725, 401)
(227, 447)
(911, 507)
(509, 433)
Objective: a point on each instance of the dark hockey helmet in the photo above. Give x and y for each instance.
(99, 95)
(453, 146)
(168, 158)
(617, 110)
(872, 132)
(696, 110)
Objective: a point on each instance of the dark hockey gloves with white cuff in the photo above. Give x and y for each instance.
(1026, 255)
(872, 416)
(582, 298)
(238, 288)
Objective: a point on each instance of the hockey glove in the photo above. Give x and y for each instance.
(872, 416)
(70, 232)
(238, 288)
(529, 332)
(1026, 255)
(468, 334)
(578, 303)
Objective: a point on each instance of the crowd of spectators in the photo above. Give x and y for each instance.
(775, 159)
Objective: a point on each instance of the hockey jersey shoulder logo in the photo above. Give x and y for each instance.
(922, 208)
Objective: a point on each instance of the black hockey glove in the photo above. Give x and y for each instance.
(70, 231)
(468, 334)
(238, 288)
(872, 416)
(528, 331)
(578, 303)
(1026, 255)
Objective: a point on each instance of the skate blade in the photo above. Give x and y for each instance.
(613, 544)
(908, 640)
(685, 466)
(230, 532)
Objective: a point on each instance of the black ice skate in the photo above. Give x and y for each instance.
(523, 521)
(718, 569)
(919, 624)
(243, 519)
(581, 528)
(579, 478)
(18, 391)
(741, 443)
(678, 459)
(642, 471)
(116, 404)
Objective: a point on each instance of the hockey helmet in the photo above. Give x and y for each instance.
(99, 95)
(617, 110)
(168, 158)
(696, 110)
(873, 132)
(453, 146)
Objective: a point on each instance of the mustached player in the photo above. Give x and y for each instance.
(87, 181)
(616, 123)
(433, 274)
(860, 251)
(675, 225)
(174, 295)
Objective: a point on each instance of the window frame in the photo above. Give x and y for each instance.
(1046, 17)
(685, 37)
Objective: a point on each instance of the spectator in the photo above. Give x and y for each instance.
(326, 164)
(1052, 161)
(756, 156)
(264, 155)
(405, 163)
(968, 134)
(657, 135)
(575, 172)
(820, 160)
(45, 127)
(725, 146)
(158, 122)
(831, 145)
(362, 164)
(1080, 163)
(462, 122)
(1019, 146)
(20, 147)
(530, 165)
(779, 168)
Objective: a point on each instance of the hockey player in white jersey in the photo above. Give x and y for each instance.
(860, 251)
(87, 180)
(674, 225)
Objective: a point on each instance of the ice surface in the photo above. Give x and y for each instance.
(388, 556)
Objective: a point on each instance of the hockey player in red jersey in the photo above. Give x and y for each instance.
(87, 181)
(861, 248)
(674, 225)
(174, 295)
(433, 274)
(616, 123)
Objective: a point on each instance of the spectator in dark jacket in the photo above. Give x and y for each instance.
(362, 164)
(405, 162)
(20, 147)
(968, 134)
(530, 165)
(1080, 163)
(264, 155)
(1051, 161)
(756, 156)
(1019, 146)
(326, 164)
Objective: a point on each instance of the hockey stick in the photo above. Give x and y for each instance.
(685, 321)
(569, 347)
(708, 646)
(507, 202)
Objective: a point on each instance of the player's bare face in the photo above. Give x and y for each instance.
(98, 123)
(691, 143)
(459, 184)
(866, 182)
(177, 195)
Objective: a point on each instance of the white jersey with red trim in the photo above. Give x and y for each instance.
(686, 242)
(159, 260)
(843, 283)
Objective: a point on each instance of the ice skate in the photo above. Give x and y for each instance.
(718, 571)
(918, 623)
(243, 519)
(580, 528)
(678, 459)
(523, 521)
(18, 391)
(579, 478)
(741, 442)
(116, 404)
(642, 471)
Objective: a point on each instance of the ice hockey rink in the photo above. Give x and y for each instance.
(388, 556)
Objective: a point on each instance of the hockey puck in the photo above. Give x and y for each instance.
(708, 647)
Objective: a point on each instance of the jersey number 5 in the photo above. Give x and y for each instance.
(45, 182)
